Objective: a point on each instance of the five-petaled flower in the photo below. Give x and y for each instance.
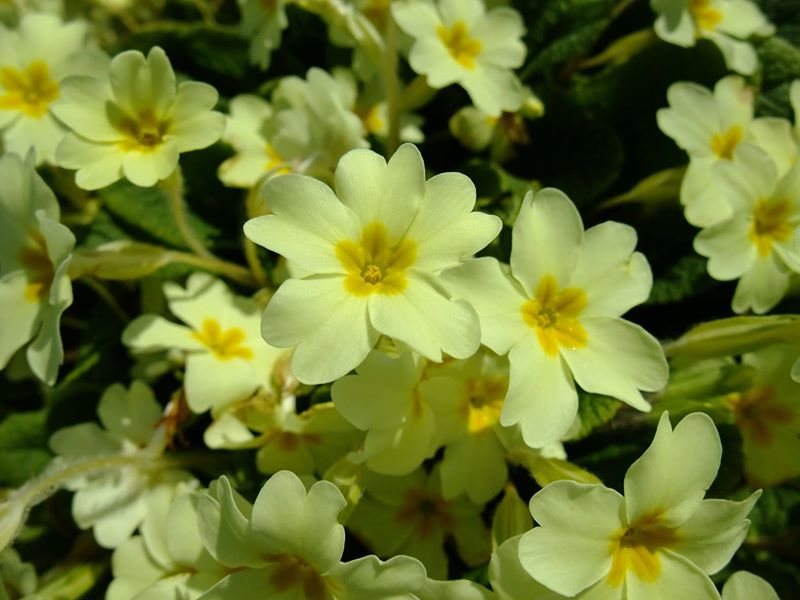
(661, 539)
(459, 42)
(136, 124)
(557, 315)
(371, 257)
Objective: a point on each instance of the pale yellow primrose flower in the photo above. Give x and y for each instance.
(725, 22)
(262, 149)
(768, 415)
(168, 559)
(511, 582)
(115, 502)
(459, 589)
(474, 462)
(746, 586)
(457, 41)
(306, 129)
(136, 124)
(380, 243)
(408, 515)
(370, 105)
(478, 131)
(407, 413)
(304, 443)
(35, 253)
(755, 243)
(321, 101)
(226, 358)
(662, 539)
(289, 544)
(35, 58)
(556, 315)
(710, 126)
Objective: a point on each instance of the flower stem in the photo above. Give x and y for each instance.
(255, 206)
(258, 272)
(215, 265)
(416, 94)
(173, 188)
(16, 506)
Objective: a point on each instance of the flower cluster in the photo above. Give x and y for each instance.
(407, 305)
(742, 187)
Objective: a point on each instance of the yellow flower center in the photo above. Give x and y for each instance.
(293, 572)
(427, 512)
(757, 413)
(145, 132)
(223, 344)
(461, 47)
(770, 224)
(635, 548)
(274, 161)
(372, 120)
(30, 90)
(553, 315)
(38, 267)
(705, 16)
(373, 264)
(484, 402)
(723, 144)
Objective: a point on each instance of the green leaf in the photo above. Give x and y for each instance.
(216, 48)
(776, 510)
(23, 446)
(562, 29)
(72, 581)
(574, 44)
(663, 186)
(594, 410)
(684, 279)
(775, 102)
(147, 210)
(101, 230)
(780, 61)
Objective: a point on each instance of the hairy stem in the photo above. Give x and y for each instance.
(16, 506)
(215, 265)
(173, 188)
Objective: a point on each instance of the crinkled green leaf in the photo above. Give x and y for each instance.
(595, 410)
(23, 447)
(147, 210)
(682, 280)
